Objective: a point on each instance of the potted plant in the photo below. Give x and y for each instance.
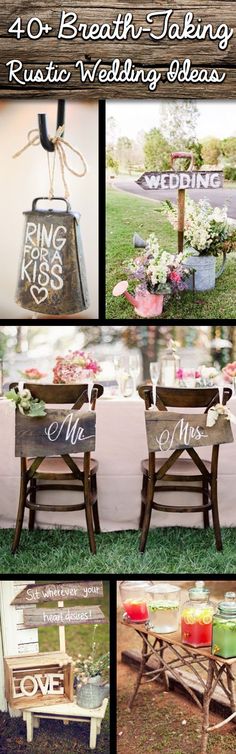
(159, 273)
(91, 677)
(207, 233)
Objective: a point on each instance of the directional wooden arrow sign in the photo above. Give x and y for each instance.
(62, 616)
(34, 593)
(189, 179)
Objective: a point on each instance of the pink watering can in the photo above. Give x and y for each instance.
(145, 304)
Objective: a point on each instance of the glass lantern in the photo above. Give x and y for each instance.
(196, 617)
(163, 606)
(224, 627)
(134, 600)
(170, 363)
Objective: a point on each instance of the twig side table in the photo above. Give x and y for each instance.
(216, 671)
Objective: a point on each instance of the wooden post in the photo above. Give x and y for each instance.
(181, 208)
(181, 197)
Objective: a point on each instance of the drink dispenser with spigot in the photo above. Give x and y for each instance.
(196, 617)
(134, 598)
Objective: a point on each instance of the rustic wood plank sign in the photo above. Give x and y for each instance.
(189, 179)
(37, 593)
(43, 678)
(167, 431)
(62, 616)
(118, 50)
(59, 432)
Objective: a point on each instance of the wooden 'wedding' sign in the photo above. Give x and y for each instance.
(167, 430)
(62, 616)
(188, 179)
(43, 678)
(33, 593)
(59, 432)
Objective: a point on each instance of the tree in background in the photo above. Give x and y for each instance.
(157, 151)
(211, 150)
(111, 161)
(196, 148)
(228, 147)
(178, 122)
(124, 153)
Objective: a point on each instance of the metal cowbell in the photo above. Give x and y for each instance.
(52, 275)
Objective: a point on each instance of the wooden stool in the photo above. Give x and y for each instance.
(69, 713)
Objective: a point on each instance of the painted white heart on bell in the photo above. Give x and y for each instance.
(34, 290)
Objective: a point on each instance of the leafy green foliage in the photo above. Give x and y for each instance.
(157, 151)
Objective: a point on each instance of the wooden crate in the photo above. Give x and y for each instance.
(43, 678)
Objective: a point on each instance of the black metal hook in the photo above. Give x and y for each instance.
(44, 139)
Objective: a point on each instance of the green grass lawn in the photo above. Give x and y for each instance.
(128, 214)
(169, 550)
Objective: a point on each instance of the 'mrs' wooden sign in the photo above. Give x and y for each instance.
(44, 678)
(168, 431)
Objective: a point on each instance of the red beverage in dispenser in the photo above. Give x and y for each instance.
(197, 633)
(136, 610)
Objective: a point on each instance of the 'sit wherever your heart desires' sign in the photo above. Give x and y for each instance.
(167, 431)
(67, 590)
(60, 431)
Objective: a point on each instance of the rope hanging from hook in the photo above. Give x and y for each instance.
(33, 140)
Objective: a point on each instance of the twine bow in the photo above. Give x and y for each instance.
(33, 140)
(216, 411)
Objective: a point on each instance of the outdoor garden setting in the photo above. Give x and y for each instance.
(54, 666)
(84, 411)
(171, 211)
(176, 649)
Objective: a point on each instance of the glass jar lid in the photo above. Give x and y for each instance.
(199, 591)
(228, 605)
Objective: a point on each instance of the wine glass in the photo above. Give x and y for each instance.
(134, 368)
(154, 374)
(119, 366)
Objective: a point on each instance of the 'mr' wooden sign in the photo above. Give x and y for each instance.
(169, 431)
(189, 179)
(59, 432)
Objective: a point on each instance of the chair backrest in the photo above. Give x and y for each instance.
(175, 397)
(62, 430)
(168, 430)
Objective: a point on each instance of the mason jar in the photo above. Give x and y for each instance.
(224, 627)
(134, 600)
(196, 617)
(163, 606)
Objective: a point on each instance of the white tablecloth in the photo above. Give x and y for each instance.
(120, 446)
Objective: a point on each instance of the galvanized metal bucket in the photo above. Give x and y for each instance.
(52, 275)
(205, 271)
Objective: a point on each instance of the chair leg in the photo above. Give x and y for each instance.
(205, 500)
(147, 514)
(95, 505)
(88, 503)
(20, 513)
(143, 496)
(32, 500)
(215, 514)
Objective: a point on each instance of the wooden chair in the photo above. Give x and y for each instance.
(46, 456)
(155, 469)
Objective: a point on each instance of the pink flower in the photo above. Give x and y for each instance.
(175, 276)
(76, 366)
(33, 374)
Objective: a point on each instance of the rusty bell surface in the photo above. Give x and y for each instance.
(52, 275)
